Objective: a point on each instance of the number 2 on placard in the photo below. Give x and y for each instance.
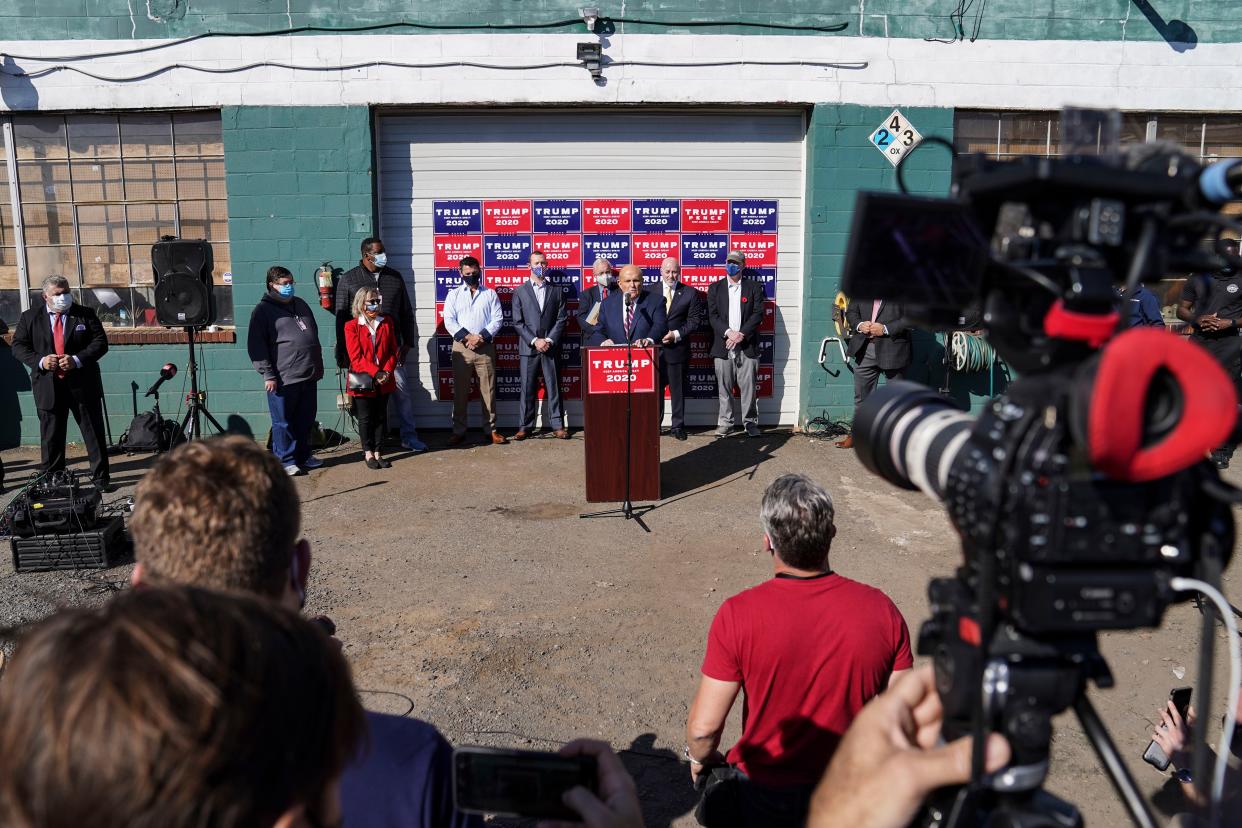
(883, 138)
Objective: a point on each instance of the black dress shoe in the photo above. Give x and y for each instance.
(678, 434)
(104, 484)
(384, 464)
(372, 463)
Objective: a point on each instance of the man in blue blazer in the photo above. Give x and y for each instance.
(631, 315)
(539, 316)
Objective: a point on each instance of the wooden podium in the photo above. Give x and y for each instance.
(605, 374)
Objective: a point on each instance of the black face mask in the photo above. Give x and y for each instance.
(470, 280)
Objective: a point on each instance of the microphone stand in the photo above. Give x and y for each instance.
(627, 509)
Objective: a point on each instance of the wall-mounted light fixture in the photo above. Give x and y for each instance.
(591, 54)
(590, 16)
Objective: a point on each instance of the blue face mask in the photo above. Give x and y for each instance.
(538, 270)
(285, 290)
(733, 268)
(381, 260)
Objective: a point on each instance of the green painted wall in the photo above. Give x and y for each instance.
(1209, 21)
(840, 162)
(300, 192)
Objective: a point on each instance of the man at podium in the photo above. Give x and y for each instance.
(631, 315)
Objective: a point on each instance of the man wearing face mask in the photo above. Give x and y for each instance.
(283, 344)
(684, 308)
(1211, 306)
(735, 309)
(61, 342)
(539, 316)
(373, 271)
(472, 316)
(589, 300)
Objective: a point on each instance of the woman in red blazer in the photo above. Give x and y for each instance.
(371, 342)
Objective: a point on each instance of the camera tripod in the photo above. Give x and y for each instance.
(1025, 682)
(196, 400)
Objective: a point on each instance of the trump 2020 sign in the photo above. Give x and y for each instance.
(573, 233)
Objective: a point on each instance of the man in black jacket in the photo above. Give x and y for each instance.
(735, 309)
(880, 344)
(62, 342)
(373, 272)
(605, 283)
(684, 307)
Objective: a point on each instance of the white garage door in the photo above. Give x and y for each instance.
(592, 154)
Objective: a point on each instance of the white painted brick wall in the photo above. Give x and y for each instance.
(902, 72)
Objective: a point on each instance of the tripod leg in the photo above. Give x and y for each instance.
(214, 422)
(1118, 774)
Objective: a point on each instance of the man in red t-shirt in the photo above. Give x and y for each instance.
(809, 648)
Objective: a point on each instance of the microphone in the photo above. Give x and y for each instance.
(166, 373)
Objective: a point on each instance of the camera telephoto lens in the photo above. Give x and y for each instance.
(910, 435)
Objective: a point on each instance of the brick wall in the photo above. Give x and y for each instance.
(840, 162)
(1212, 21)
(299, 187)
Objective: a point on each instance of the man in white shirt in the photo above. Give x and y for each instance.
(472, 316)
(539, 316)
(735, 309)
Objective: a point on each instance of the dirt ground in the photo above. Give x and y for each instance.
(468, 592)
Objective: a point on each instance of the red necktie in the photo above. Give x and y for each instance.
(629, 319)
(603, 293)
(58, 339)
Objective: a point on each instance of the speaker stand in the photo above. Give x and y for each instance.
(191, 426)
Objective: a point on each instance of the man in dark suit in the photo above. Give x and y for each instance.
(373, 271)
(61, 342)
(684, 307)
(735, 309)
(539, 316)
(880, 344)
(605, 284)
(631, 314)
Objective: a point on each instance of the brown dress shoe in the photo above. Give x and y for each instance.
(457, 439)
(499, 439)
(848, 442)
(520, 436)
(561, 434)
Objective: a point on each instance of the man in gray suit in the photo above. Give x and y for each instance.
(539, 316)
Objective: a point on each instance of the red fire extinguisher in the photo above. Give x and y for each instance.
(324, 278)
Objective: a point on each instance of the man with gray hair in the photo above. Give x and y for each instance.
(61, 343)
(810, 648)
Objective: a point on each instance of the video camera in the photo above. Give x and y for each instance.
(1083, 491)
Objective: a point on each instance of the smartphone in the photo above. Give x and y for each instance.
(1154, 755)
(519, 783)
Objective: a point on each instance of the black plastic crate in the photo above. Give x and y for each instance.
(98, 549)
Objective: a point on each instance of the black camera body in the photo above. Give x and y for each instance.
(1083, 490)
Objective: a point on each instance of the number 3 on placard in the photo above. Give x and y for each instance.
(883, 138)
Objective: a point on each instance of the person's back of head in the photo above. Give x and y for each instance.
(219, 513)
(797, 515)
(171, 708)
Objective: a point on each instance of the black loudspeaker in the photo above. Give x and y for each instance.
(183, 287)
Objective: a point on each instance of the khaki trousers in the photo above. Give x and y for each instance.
(465, 363)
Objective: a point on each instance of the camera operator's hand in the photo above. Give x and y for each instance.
(888, 761)
(617, 804)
